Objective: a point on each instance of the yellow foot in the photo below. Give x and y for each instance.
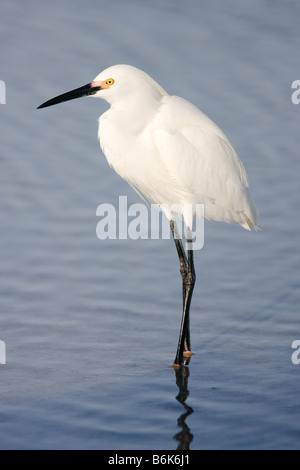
(187, 353)
(186, 359)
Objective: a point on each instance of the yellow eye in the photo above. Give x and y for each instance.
(110, 81)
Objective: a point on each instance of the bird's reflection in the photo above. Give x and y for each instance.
(184, 437)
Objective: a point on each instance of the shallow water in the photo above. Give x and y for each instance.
(91, 326)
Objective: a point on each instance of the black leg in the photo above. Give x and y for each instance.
(187, 270)
(189, 288)
(181, 255)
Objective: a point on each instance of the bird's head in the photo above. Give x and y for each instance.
(113, 85)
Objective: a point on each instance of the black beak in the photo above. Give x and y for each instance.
(85, 90)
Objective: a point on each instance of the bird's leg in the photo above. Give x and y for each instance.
(189, 283)
(181, 255)
(187, 271)
(184, 345)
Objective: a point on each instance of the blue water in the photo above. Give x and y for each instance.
(91, 326)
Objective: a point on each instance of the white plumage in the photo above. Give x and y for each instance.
(170, 151)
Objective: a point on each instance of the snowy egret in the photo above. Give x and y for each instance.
(171, 153)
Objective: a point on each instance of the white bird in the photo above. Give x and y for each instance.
(171, 153)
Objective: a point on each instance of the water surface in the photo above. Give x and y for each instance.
(91, 326)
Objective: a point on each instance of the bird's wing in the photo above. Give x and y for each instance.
(199, 156)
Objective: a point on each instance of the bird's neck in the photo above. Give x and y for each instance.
(134, 114)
